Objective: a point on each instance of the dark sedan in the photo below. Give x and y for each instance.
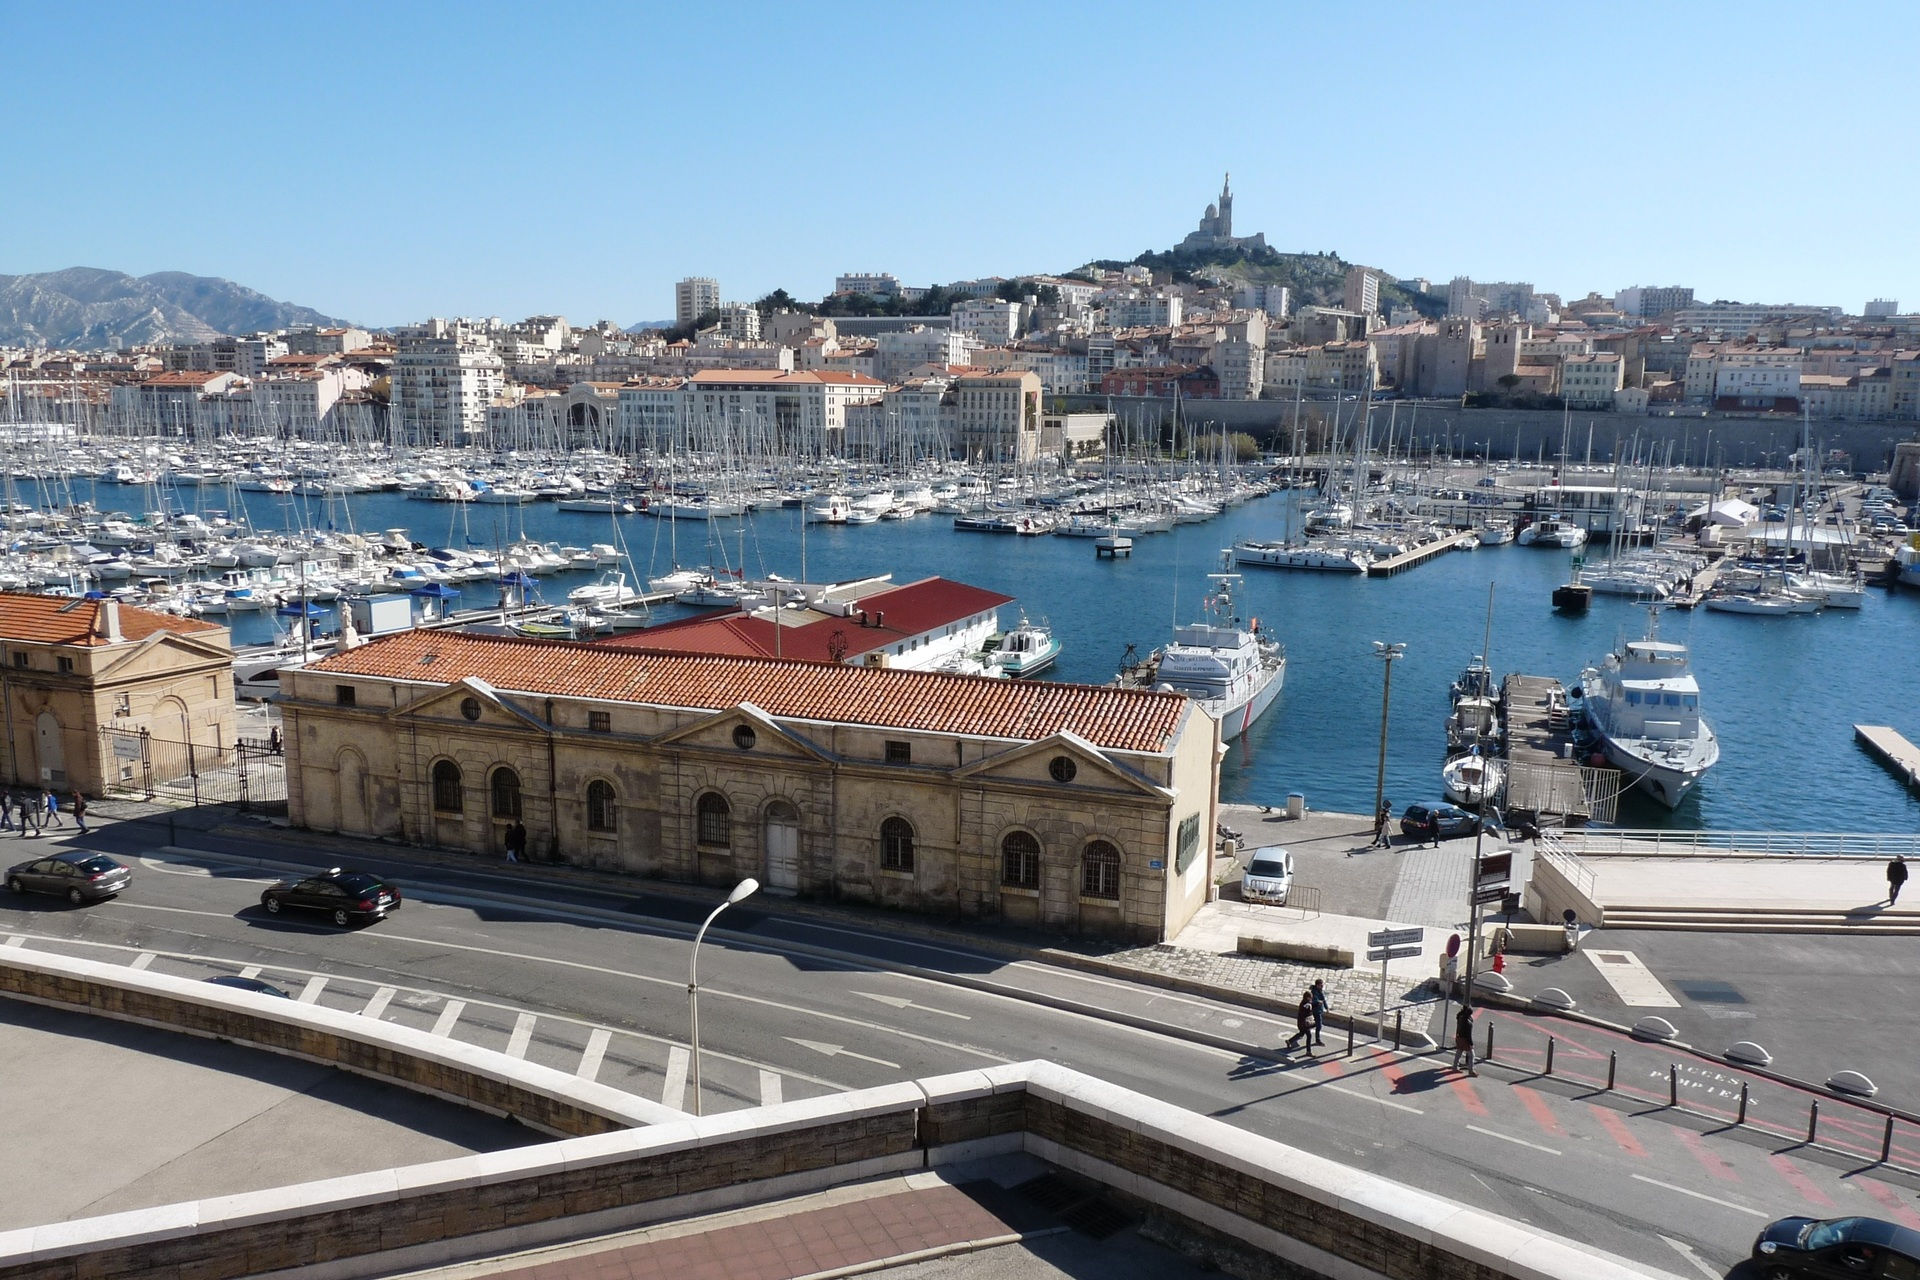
(349, 897)
(1855, 1247)
(77, 877)
(1416, 821)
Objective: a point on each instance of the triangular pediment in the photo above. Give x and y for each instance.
(1033, 763)
(158, 653)
(473, 701)
(720, 732)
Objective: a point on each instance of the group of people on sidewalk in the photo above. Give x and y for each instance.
(1383, 827)
(1310, 1018)
(30, 814)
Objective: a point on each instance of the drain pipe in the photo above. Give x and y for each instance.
(553, 792)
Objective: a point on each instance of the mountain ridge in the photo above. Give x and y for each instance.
(93, 307)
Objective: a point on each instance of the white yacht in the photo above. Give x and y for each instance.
(1233, 672)
(1644, 704)
(1324, 555)
(1553, 531)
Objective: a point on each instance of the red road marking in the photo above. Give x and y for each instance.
(1332, 1067)
(1537, 1108)
(1802, 1185)
(1463, 1089)
(1712, 1163)
(1889, 1197)
(1617, 1130)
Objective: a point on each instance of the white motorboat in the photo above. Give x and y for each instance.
(830, 509)
(1470, 779)
(1643, 702)
(1553, 531)
(611, 592)
(1233, 671)
(1026, 650)
(1326, 555)
(1496, 533)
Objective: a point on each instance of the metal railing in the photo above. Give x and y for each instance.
(1553, 849)
(1653, 843)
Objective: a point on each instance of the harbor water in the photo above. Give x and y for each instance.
(1781, 692)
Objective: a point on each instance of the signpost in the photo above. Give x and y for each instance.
(1390, 944)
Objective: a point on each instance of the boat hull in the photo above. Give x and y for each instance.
(1237, 717)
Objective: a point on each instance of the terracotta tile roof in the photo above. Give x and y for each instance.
(59, 620)
(1117, 719)
(183, 378)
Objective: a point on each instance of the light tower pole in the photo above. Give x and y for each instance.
(1388, 654)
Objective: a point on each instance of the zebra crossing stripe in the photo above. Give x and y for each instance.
(251, 971)
(522, 1036)
(675, 1093)
(310, 994)
(443, 1026)
(769, 1088)
(142, 960)
(589, 1068)
(378, 1005)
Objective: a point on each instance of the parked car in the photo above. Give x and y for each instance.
(1863, 1247)
(258, 986)
(350, 897)
(1269, 876)
(76, 876)
(1454, 821)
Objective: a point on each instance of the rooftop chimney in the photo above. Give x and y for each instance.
(109, 621)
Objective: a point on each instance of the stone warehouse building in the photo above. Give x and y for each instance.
(1064, 806)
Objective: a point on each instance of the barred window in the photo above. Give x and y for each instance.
(446, 788)
(1020, 861)
(714, 819)
(506, 794)
(1100, 871)
(896, 845)
(602, 812)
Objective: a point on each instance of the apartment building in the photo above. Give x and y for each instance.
(875, 284)
(1361, 291)
(1590, 381)
(694, 297)
(1756, 378)
(807, 412)
(988, 321)
(1648, 303)
(997, 416)
(445, 374)
(296, 395)
(899, 352)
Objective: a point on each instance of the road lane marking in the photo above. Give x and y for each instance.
(1538, 1109)
(902, 1002)
(1686, 1251)
(310, 994)
(1697, 1195)
(1712, 1163)
(443, 1025)
(838, 1051)
(142, 960)
(15, 940)
(1631, 980)
(1617, 1130)
(1891, 1199)
(674, 1092)
(1802, 1185)
(589, 1068)
(1469, 1099)
(378, 1005)
(1385, 1102)
(769, 1088)
(251, 971)
(522, 1035)
(1507, 1137)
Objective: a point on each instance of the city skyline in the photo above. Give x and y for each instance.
(388, 170)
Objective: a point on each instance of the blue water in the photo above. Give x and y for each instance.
(1782, 693)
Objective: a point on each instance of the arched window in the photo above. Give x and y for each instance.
(896, 845)
(447, 796)
(713, 819)
(602, 812)
(1020, 861)
(1100, 871)
(506, 794)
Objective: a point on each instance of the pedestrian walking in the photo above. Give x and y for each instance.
(1896, 876)
(35, 809)
(511, 840)
(80, 811)
(1319, 993)
(1381, 840)
(52, 801)
(6, 811)
(1433, 827)
(1303, 1022)
(20, 806)
(1463, 1040)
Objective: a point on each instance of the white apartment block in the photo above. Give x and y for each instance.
(445, 374)
(1881, 308)
(805, 412)
(899, 352)
(740, 321)
(1241, 367)
(988, 321)
(297, 394)
(1362, 291)
(1756, 377)
(908, 423)
(693, 298)
(875, 284)
(1645, 302)
(1132, 310)
(1738, 319)
(1590, 381)
(650, 412)
(997, 416)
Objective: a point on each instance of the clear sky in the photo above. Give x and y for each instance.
(386, 162)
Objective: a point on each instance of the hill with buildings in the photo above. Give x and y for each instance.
(92, 308)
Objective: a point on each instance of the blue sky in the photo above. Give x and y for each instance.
(385, 162)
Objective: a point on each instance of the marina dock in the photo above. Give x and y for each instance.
(1702, 582)
(1891, 749)
(1543, 777)
(1419, 555)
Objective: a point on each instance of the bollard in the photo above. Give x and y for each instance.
(1673, 1085)
(1488, 1055)
(1398, 1016)
(1349, 1036)
(1549, 1055)
(1742, 1117)
(1613, 1061)
(172, 837)
(1813, 1120)
(1886, 1142)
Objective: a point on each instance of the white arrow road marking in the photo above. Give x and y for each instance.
(1686, 1251)
(443, 1025)
(674, 1094)
(839, 1051)
(769, 1088)
(901, 1002)
(589, 1068)
(378, 1005)
(1698, 1195)
(522, 1035)
(1507, 1137)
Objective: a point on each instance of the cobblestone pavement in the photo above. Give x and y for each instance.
(1347, 989)
(1431, 887)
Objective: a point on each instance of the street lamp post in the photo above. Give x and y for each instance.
(1387, 653)
(745, 889)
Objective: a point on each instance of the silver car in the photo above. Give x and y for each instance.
(1269, 876)
(77, 876)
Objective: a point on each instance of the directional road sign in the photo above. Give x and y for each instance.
(1394, 937)
(1393, 953)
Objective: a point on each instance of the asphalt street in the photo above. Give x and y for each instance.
(789, 1007)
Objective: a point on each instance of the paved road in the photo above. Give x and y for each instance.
(791, 1008)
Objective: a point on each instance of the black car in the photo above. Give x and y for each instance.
(1454, 821)
(348, 896)
(78, 877)
(1857, 1248)
(256, 985)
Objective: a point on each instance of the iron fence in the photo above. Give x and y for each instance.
(142, 767)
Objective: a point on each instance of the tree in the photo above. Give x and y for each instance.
(1047, 295)
(780, 300)
(1010, 290)
(1508, 381)
(682, 332)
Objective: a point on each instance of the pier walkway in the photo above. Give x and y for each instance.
(1891, 749)
(1419, 555)
(1543, 778)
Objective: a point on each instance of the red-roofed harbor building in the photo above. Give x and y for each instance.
(80, 677)
(1056, 805)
